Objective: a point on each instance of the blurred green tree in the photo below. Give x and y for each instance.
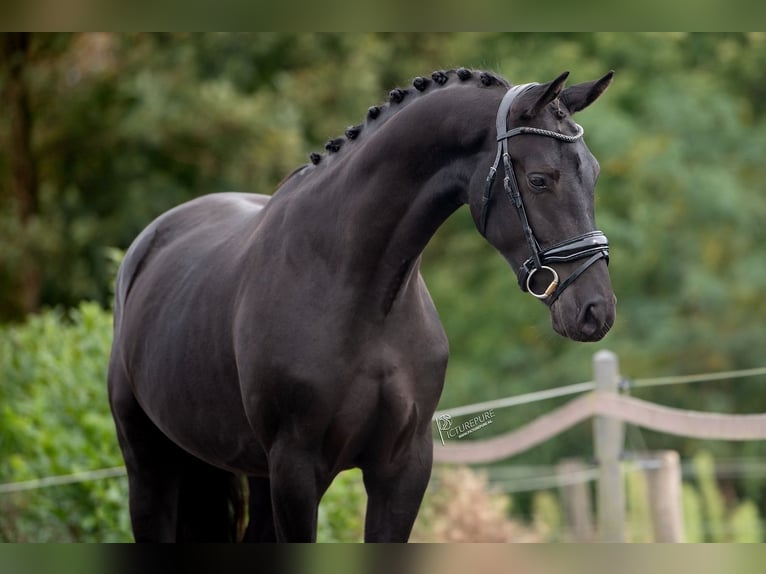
(122, 127)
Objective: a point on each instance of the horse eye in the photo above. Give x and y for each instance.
(537, 181)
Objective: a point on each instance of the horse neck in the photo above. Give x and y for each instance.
(379, 200)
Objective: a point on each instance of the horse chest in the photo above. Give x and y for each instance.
(319, 378)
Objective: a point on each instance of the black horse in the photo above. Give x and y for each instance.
(263, 345)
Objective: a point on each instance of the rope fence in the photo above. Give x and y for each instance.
(518, 400)
(701, 378)
(75, 477)
(609, 405)
(508, 479)
(118, 471)
(625, 384)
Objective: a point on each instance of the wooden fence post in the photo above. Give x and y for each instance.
(608, 444)
(663, 475)
(576, 499)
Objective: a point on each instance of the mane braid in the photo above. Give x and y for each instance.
(464, 74)
(353, 131)
(335, 144)
(398, 97)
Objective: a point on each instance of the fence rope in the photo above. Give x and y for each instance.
(518, 399)
(536, 396)
(511, 485)
(543, 482)
(117, 471)
(48, 481)
(683, 379)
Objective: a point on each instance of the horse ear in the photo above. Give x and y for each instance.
(580, 96)
(537, 97)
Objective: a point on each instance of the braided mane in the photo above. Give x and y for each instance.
(376, 115)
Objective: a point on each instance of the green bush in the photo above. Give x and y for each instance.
(745, 523)
(55, 421)
(734, 520)
(341, 512)
(638, 514)
(694, 522)
(713, 503)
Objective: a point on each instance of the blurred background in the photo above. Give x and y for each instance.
(100, 133)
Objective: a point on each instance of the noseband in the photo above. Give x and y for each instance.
(590, 246)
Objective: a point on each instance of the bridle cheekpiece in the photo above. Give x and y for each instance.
(591, 246)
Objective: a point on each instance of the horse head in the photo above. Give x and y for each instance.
(545, 224)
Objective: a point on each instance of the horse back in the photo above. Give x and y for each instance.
(189, 222)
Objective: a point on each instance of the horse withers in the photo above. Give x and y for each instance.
(264, 344)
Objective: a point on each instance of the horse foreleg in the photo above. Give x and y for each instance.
(260, 527)
(295, 492)
(394, 494)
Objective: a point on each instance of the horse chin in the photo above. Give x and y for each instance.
(588, 322)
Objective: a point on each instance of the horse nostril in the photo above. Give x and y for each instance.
(592, 316)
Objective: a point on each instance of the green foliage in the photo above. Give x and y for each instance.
(56, 421)
(125, 126)
(710, 516)
(547, 516)
(638, 513)
(694, 520)
(745, 523)
(341, 511)
(713, 505)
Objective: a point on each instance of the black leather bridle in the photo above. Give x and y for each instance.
(590, 246)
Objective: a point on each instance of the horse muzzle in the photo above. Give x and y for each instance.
(586, 312)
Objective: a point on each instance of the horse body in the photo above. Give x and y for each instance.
(287, 339)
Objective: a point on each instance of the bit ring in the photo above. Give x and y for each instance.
(551, 286)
